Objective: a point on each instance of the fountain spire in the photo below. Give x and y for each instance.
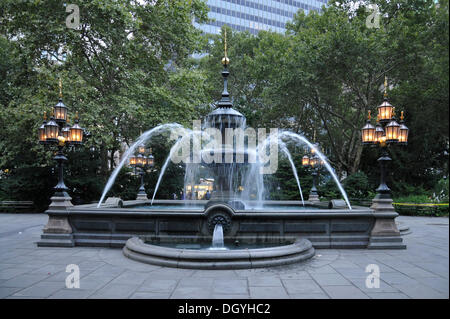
(225, 101)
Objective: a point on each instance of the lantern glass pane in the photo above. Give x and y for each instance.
(392, 131)
(368, 134)
(385, 111)
(41, 133)
(403, 137)
(305, 160)
(60, 113)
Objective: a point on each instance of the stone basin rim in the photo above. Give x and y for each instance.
(301, 249)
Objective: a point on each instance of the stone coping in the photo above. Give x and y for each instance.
(299, 250)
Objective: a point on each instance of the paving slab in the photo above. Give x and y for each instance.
(268, 293)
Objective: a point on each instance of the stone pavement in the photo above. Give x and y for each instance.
(26, 271)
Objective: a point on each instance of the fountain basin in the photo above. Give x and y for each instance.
(137, 249)
(112, 226)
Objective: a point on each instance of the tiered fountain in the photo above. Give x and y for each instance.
(232, 229)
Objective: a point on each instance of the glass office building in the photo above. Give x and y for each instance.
(255, 15)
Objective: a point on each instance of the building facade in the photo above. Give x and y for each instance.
(255, 15)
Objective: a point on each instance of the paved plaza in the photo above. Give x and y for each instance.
(27, 271)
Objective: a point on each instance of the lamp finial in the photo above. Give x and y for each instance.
(225, 60)
(402, 116)
(45, 115)
(385, 86)
(60, 88)
(369, 116)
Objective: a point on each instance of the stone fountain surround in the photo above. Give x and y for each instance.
(112, 225)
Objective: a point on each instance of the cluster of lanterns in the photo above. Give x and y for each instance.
(387, 130)
(312, 161)
(141, 160)
(57, 129)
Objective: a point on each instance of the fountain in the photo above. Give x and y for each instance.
(237, 227)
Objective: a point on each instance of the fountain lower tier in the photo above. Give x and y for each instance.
(299, 250)
(278, 221)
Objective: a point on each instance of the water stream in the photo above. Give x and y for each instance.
(217, 240)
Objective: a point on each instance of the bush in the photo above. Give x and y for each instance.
(417, 199)
(441, 190)
(420, 210)
(357, 185)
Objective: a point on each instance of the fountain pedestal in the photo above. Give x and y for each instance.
(58, 232)
(384, 234)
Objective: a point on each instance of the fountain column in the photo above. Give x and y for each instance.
(222, 118)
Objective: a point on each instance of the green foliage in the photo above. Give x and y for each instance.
(418, 199)
(329, 190)
(128, 68)
(430, 211)
(357, 185)
(29, 184)
(441, 190)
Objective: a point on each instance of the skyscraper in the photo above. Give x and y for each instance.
(255, 15)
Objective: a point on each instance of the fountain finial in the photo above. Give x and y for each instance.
(225, 60)
(225, 101)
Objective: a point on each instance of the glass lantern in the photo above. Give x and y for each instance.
(313, 161)
(379, 133)
(385, 112)
(76, 132)
(403, 135)
(51, 131)
(66, 132)
(133, 160)
(140, 161)
(368, 133)
(41, 130)
(60, 112)
(305, 160)
(392, 131)
(150, 160)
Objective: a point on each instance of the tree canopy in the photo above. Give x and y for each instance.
(129, 66)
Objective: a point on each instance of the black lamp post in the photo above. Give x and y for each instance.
(314, 163)
(142, 163)
(57, 132)
(385, 134)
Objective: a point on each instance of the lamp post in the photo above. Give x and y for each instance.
(385, 134)
(142, 163)
(57, 132)
(314, 163)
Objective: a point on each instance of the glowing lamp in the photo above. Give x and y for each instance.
(76, 132)
(51, 131)
(305, 160)
(392, 131)
(41, 130)
(368, 132)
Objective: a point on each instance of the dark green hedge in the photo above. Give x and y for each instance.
(419, 210)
